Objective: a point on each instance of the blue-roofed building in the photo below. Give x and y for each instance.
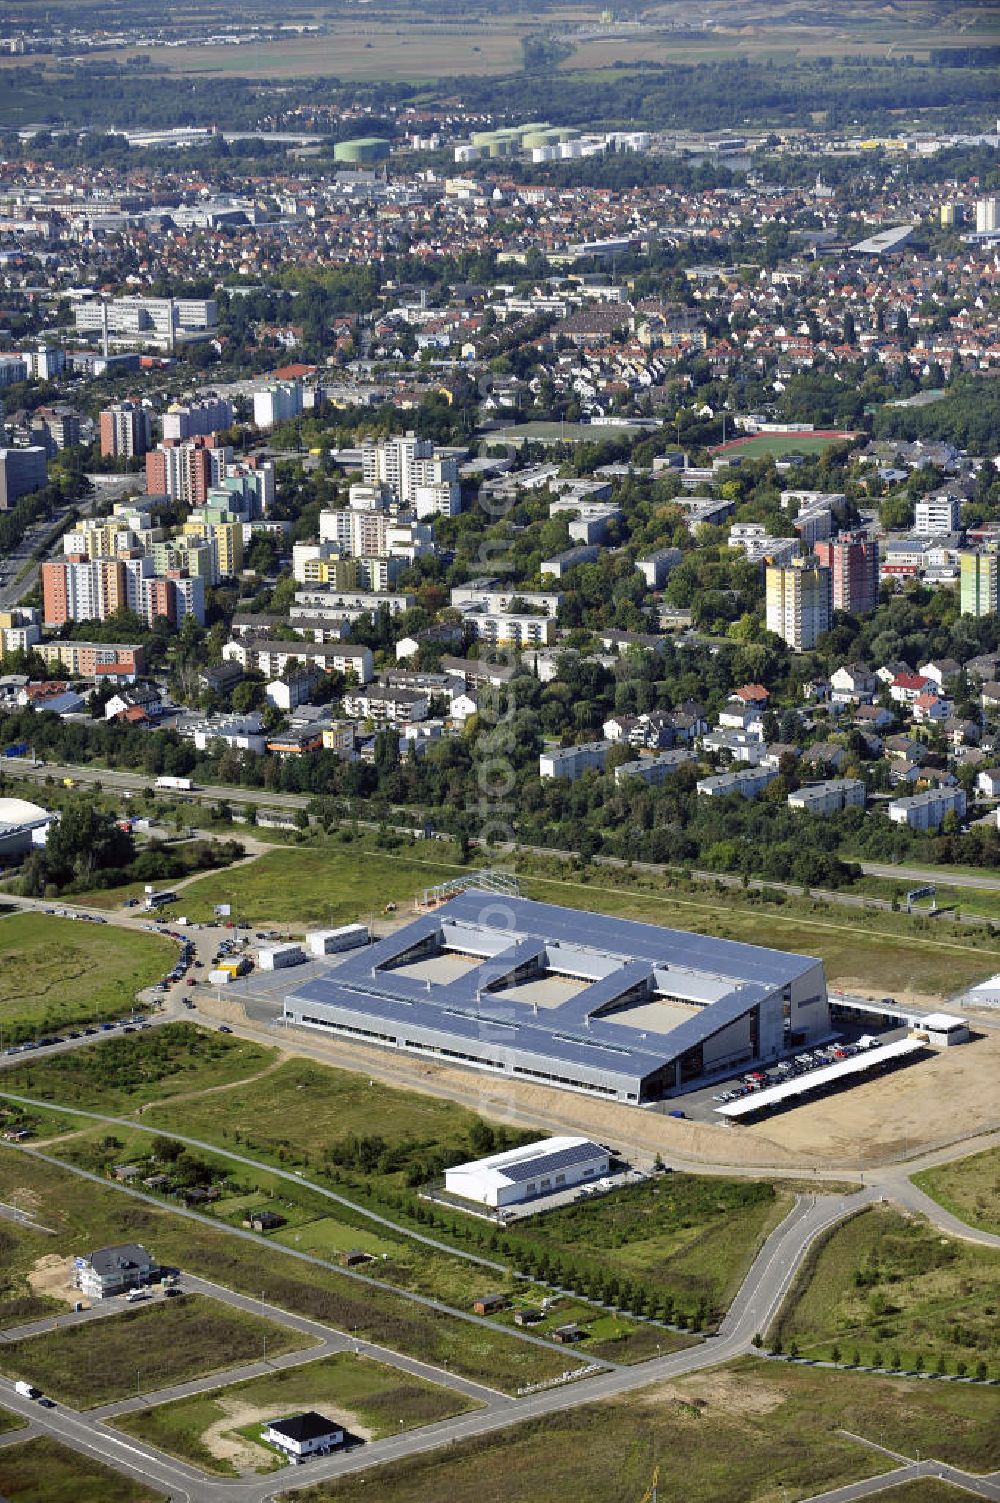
(528, 1172)
(629, 1012)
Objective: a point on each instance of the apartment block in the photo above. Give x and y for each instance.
(197, 419)
(126, 431)
(799, 602)
(573, 761)
(186, 471)
(853, 562)
(830, 797)
(927, 811)
(21, 472)
(979, 583)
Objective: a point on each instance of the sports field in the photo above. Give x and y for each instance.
(57, 972)
(780, 445)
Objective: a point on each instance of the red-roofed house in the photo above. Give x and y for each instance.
(906, 687)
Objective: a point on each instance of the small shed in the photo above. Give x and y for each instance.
(567, 1335)
(354, 1256)
(263, 1221)
(527, 1317)
(489, 1304)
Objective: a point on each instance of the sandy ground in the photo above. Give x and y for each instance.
(53, 1275)
(223, 1442)
(719, 1390)
(951, 1095)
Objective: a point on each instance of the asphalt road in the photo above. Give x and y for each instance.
(756, 1302)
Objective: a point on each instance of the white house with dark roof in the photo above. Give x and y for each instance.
(304, 1435)
(114, 1270)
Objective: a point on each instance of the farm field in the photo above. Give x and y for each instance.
(86, 1215)
(60, 972)
(887, 1290)
(44, 1471)
(124, 1072)
(147, 1346)
(10, 1421)
(969, 1188)
(216, 1430)
(741, 1433)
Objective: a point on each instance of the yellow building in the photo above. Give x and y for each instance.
(980, 583)
(799, 602)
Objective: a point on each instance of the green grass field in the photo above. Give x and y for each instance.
(85, 1215)
(780, 445)
(742, 1433)
(329, 885)
(144, 1347)
(340, 883)
(9, 1422)
(55, 973)
(892, 1291)
(365, 1395)
(126, 1071)
(969, 1188)
(880, 952)
(44, 1471)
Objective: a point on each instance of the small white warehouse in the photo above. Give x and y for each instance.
(333, 941)
(280, 956)
(943, 1029)
(525, 1173)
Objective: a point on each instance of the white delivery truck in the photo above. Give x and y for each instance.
(26, 1390)
(180, 785)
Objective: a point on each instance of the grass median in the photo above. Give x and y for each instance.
(968, 1188)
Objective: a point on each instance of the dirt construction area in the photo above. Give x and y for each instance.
(949, 1095)
(53, 1276)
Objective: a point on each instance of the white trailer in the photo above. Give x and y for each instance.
(333, 941)
(179, 785)
(219, 978)
(280, 956)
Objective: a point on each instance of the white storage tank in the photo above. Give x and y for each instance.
(332, 941)
(280, 956)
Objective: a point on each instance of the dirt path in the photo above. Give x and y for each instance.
(229, 1085)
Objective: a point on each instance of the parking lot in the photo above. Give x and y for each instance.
(700, 1105)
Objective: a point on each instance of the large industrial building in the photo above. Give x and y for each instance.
(626, 1011)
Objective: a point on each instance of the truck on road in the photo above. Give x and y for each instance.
(27, 1391)
(179, 785)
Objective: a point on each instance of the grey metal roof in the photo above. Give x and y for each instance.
(464, 1012)
(547, 1163)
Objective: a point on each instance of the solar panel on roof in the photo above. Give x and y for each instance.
(546, 1163)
